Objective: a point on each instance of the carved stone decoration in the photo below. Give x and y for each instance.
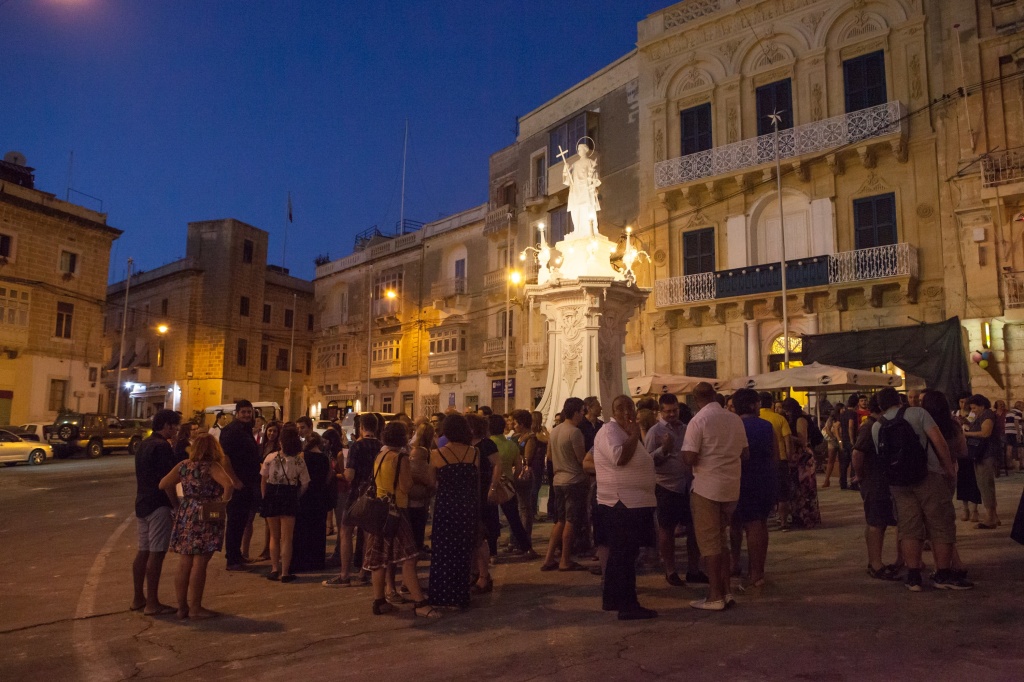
(812, 20)
(874, 184)
(899, 149)
(693, 79)
(916, 90)
(925, 211)
(659, 145)
(660, 257)
(867, 156)
(694, 9)
(659, 73)
(732, 127)
(728, 49)
(863, 24)
(771, 53)
(817, 103)
(835, 164)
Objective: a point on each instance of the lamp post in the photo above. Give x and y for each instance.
(776, 120)
(120, 350)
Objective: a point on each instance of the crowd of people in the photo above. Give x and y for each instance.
(621, 493)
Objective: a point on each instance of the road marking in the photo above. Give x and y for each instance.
(97, 662)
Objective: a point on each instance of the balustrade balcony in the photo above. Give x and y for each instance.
(385, 369)
(496, 347)
(810, 138)
(1013, 289)
(453, 286)
(880, 262)
(535, 354)
(496, 278)
(498, 219)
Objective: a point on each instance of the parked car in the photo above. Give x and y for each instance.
(144, 425)
(321, 426)
(95, 433)
(348, 423)
(14, 450)
(36, 431)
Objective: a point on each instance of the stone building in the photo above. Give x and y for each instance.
(401, 321)
(211, 328)
(54, 257)
(895, 209)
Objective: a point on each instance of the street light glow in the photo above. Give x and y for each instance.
(390, 294)
(162, 328)
(515, 277)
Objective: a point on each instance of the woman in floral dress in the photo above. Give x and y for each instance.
(203, 478)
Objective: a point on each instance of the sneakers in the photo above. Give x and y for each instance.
(395, 599)
(913, 582)
(949, 580)
(705, 605)
(889, 572)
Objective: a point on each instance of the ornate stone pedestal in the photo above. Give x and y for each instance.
(586, 335)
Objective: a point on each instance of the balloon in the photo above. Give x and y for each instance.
(975, 357)
(983, 364)
(987, 355)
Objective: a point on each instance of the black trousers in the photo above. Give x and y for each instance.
(520, 537)
(845, 458)
(240, 507)
(626, 531)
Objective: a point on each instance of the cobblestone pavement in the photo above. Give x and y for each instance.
(68, 537)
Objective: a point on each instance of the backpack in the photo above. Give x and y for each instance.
(814, 437)
(900, 451)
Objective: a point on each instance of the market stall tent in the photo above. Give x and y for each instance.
(656, 384)
(815, 377)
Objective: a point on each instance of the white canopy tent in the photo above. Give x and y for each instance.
(815, 377)
(656, 384)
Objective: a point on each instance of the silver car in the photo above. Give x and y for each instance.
(14, 449)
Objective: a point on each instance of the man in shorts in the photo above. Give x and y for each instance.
(874, 491)
(784, 438)
(674, 477)
(715, 444)
(570, 487)
(154, 459)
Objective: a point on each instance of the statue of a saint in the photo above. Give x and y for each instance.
(583, 181)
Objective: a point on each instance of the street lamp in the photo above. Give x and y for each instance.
(514, 278)
(162, 329)
(391, 295)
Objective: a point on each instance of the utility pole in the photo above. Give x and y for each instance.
(776, 119)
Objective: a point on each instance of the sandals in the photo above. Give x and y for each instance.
(887, 572)
(571, 567)
(381, 606)
(430, 612)
(395, 599)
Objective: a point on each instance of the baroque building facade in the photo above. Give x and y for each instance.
(216, 326)
(54, 257)
(889, 216)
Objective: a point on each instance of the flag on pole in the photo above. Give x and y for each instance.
(290, 208)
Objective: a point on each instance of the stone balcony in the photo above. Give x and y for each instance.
(858, 128)
(496, 278)
(871, 270)
(535, 354)
(448, 368)
(495, 348)
(453, 286)
(1002, 173)
(498, 219)
(1013, 290)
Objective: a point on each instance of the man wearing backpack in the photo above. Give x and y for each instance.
(921, 478)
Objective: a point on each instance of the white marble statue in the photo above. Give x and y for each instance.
(583, 181)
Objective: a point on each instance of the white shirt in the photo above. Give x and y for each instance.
(719, 437)
(632, 484)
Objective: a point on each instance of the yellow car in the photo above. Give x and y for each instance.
(13, 450)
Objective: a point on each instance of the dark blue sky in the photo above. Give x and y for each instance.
(182, 110)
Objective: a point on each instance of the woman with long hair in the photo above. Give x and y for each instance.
(984, 443)
(311, 520)
(203, 480)
(271, 443)
(489, 526)
(833, 440)
(421, 492)
(805, 510)
(393, 478)
(284, 479)
(187, 433)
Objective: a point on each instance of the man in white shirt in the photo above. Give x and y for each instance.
(715, 443)
(626, 502)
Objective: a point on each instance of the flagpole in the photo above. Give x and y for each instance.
(288, 219)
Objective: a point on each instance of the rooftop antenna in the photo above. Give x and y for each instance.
(401, 208)
(71, 163)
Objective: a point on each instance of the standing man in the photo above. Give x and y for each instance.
(784, 438)
(218, 424)
(153, 460)
(625, 498)
(569, 486)
(244, 454)
(874, 491)
(715, 444)
(674, 478)
(923, 511)
(851, 422)
(590, 425)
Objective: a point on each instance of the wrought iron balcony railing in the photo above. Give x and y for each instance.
(810, 138)
(1013, 288)
(880, 262)
(1002, 168)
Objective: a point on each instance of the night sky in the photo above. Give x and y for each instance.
(183, 110)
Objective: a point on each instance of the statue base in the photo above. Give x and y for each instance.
(586, 335)
(585, 256)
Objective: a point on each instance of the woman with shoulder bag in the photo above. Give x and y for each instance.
(284, 479)
(526, 473)
(507, 497)
(983, 442)
(393, 478)
(419, 496)
(198, 529)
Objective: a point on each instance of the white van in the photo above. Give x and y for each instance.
(269, 411)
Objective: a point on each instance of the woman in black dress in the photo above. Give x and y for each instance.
(455, 473)
(311, 520)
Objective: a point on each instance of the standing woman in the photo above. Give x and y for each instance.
(489, 527)
(757, 487)
(311, 519)
(271, 443)
(393, 478)
(284, 479)
(985, 448)
(456, 473)
(832, 432)
(186, 434)
(333, 448)
(203, 478)
(805, 510)
(420, 494)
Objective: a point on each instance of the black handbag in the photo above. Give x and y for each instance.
(377, 515)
